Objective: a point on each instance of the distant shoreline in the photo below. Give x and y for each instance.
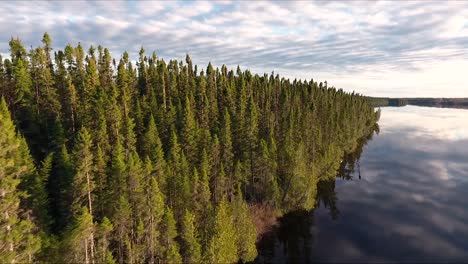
(420, 101)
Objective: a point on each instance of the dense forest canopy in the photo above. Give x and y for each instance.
(105, 160)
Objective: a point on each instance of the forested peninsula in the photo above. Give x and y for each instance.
(420, 101)
(109, 160)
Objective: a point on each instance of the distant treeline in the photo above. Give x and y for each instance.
(104, 160)
(432, 102)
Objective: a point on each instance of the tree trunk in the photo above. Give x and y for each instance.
(91, 246)
(86, 251)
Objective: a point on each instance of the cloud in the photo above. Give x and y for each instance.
(357, 45)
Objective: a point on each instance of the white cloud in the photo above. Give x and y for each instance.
(378, 48)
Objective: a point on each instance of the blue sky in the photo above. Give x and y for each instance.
(384, 48)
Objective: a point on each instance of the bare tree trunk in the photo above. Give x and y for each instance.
(86, 251)
(73, 119)
(151, 239)
(91, 213)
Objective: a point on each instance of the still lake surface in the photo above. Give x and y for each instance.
(405, 199)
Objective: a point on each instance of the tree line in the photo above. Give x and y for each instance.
(105, 160)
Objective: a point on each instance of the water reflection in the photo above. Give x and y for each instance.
(400, 198)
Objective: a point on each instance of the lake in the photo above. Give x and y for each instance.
(404, 198)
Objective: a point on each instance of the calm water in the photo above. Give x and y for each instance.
(404, 200)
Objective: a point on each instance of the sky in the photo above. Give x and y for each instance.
(383, 48)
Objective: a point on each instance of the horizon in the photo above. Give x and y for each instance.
(381, 49)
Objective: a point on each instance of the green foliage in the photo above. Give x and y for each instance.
(78, 238)
(224, 239)
(83, 181)
(154, 147)
(190, 246)
(169, 233)
(245, 230)
(18, 243)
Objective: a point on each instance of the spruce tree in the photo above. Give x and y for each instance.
(224, 238)
(83, 181)
(103, 252)
(189, 133)
(83, 185)
(245, 230)
(169, 233)
(154, 212)
(79, 238)
(18, 243)
(152, 147)
(191, 248)
(38, 198)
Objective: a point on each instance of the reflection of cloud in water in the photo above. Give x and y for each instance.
(418, 181)
(438, 123)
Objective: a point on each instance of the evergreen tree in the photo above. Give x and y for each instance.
(123, 223)
(83, 187)
(189, 133)
(83, 181)
(191, 248)
(103, 253)
(169, 233)
(60, 188)
(224, 239)
(154, 212)
(18, 243)
(245, 230)
(38, 196)
(78, 239)
(152, 147)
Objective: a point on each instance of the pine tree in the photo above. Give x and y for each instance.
(135, 185)
(202, 204)
(143, 80)
(23, 84)
(226, 143)
(60, 188)
(39, 198)
(219, 187)
(175, 176)
(18, 243)
(46, 94)
(245, 230)
(224, 239)
(47, 41)
(169, 233)
(129, 136)
(103, 252)
(152, 148)
(79, 237)
(189, 133)
(154, 212)
(83, 183)
(191, 248)
(117, 178)
(122, 226)
(100, 180)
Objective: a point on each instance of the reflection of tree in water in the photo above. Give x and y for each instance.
(298, 226)
(350, 160)
(326, 194)
(292, 240)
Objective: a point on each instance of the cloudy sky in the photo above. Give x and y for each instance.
(378, 48)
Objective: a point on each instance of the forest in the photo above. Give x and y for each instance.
(461, 103)
(114, 160)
